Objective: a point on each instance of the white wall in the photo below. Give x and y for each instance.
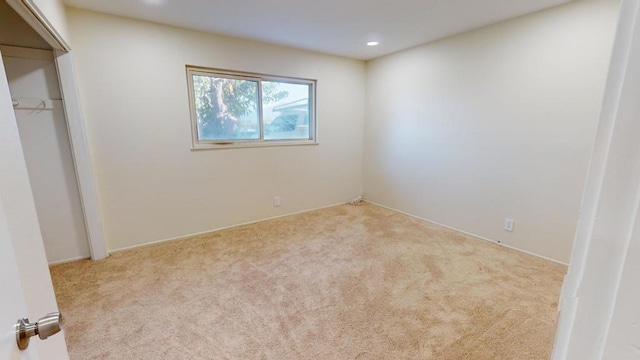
(493, 123)
(151, 186)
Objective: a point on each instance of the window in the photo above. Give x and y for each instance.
(231, 108)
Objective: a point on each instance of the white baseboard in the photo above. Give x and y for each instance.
(468, 233)
(58, 262)
(219, 229)
(309, 210)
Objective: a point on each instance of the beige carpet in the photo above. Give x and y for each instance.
(348, 282)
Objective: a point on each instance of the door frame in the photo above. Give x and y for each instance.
(80, 155)
(609, 207)
(30, 12)
(75, 124)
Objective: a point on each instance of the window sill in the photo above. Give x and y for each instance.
(251, 144)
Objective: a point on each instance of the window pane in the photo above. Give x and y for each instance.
(226, 109)
(286, 110)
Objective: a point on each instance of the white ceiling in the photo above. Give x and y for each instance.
(340, 27)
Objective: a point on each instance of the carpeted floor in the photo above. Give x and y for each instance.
(347, 282)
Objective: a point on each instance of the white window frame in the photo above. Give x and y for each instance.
(198, 144)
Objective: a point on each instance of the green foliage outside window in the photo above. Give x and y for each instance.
(228, 108)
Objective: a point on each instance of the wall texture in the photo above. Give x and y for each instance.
(491, 124)
(151, 185)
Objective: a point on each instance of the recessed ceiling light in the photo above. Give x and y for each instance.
(154, 2)
(372, 43)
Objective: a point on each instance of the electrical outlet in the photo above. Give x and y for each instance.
(508, 224)
(276, 201)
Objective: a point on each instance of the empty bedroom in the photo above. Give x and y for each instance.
(318, 180)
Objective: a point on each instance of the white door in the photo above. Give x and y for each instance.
(33, 83)
(12, 304)
(25, 283)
